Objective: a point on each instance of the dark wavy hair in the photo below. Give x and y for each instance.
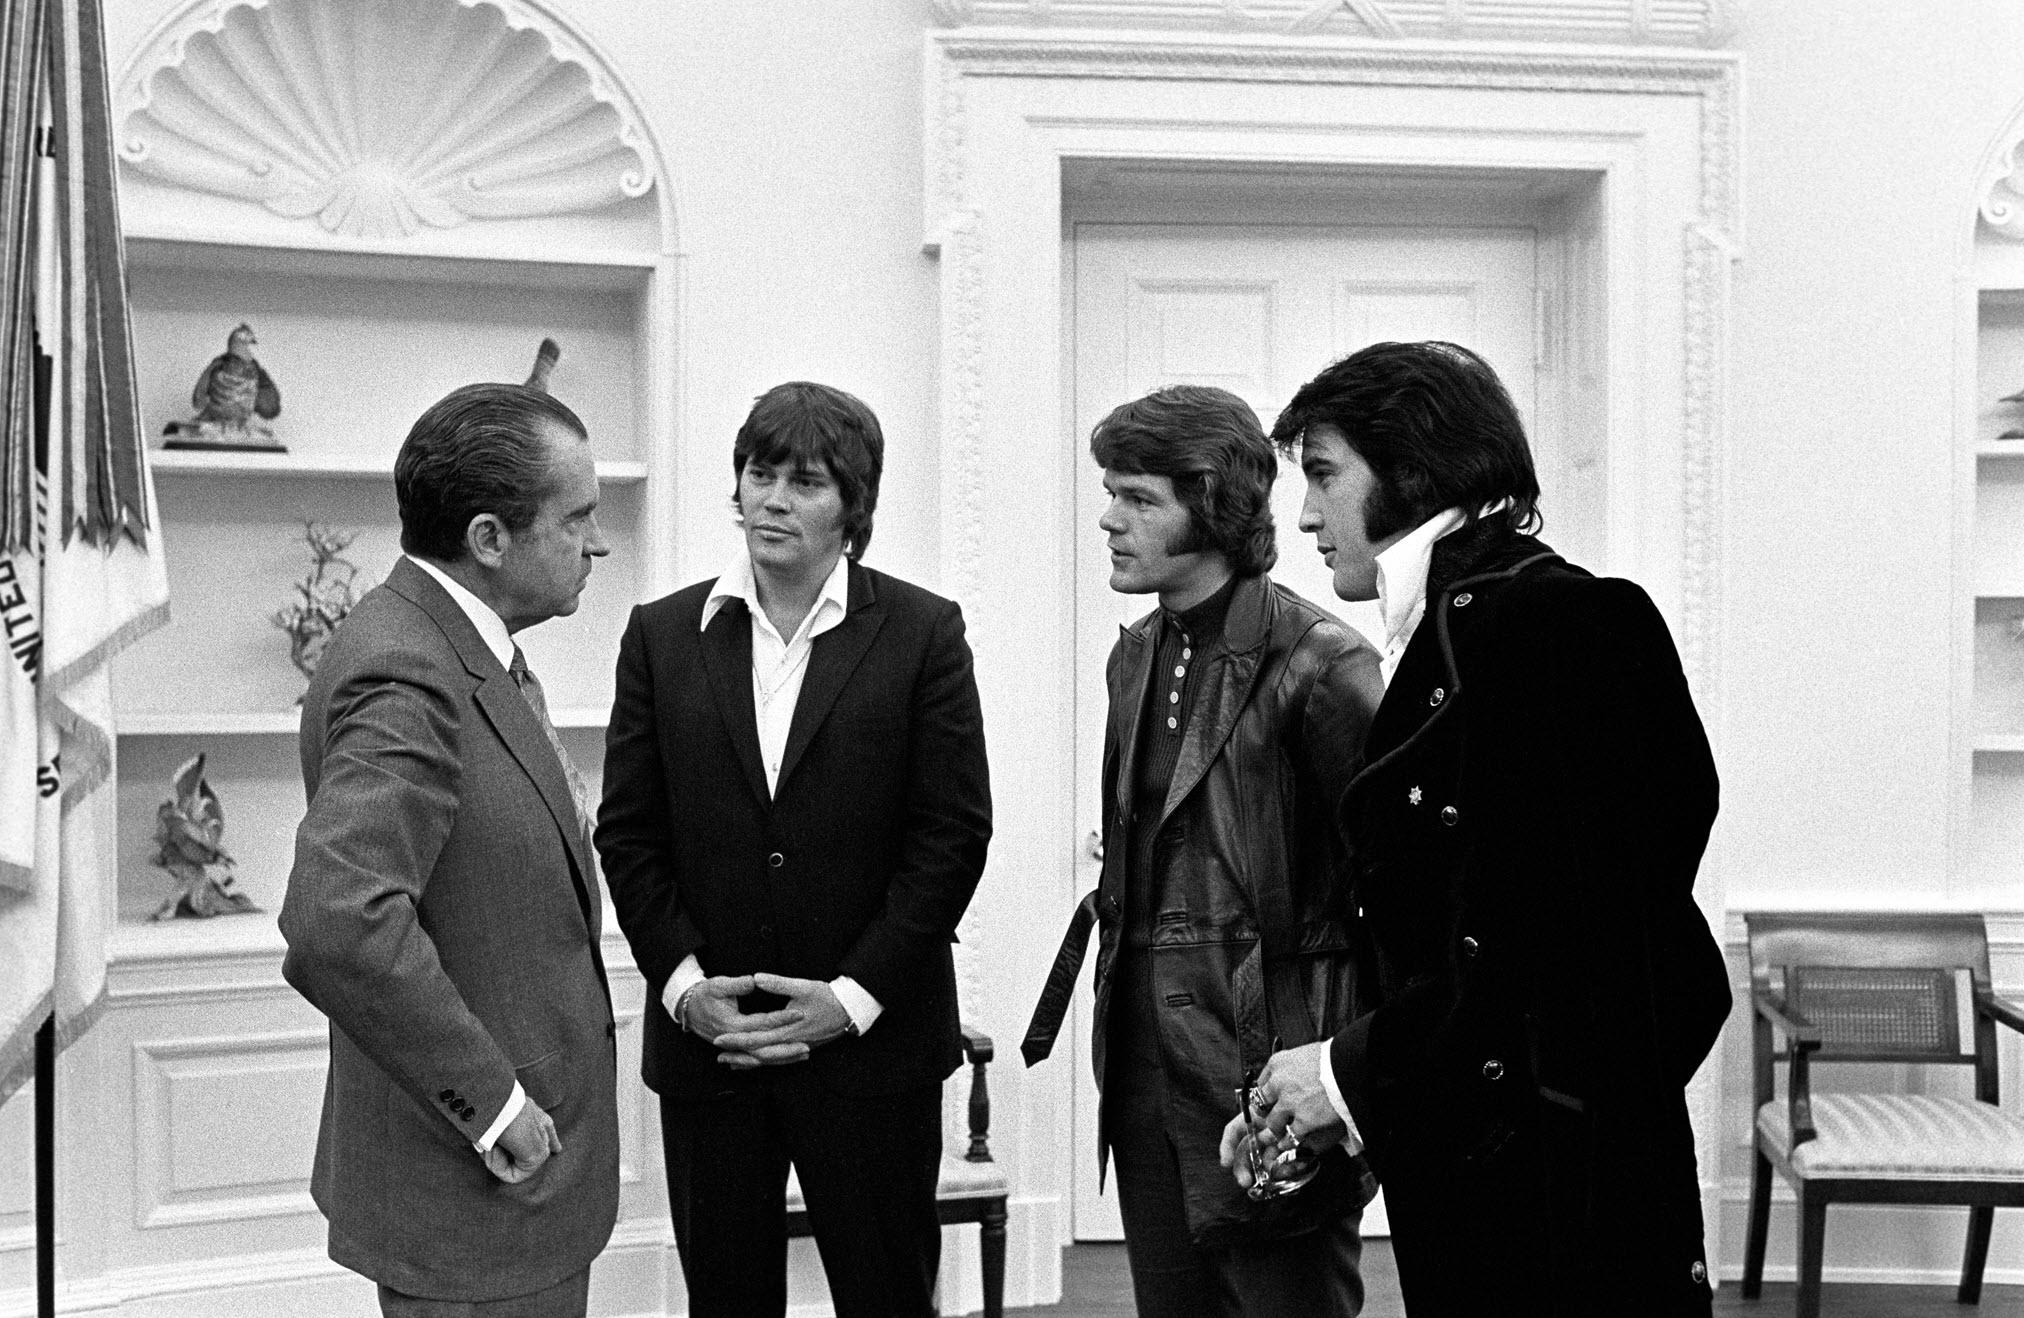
(480, 449)
(1209, 443)
(799, 424)
(1435, 426)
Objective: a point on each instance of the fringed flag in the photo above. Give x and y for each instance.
(81, 569)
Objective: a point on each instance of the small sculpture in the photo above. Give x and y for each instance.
(545, 357)
(2014, 432)
(324, 596)
(189, 828)
(235, 398)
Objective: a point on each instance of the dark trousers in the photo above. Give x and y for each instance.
(867, 1168)
(1314, 1273)
(568, 1298)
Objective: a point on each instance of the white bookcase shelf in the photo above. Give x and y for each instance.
(317, 465)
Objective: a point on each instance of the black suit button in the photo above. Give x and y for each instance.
(447, 1094)
(467, 1112)
(1470, 947)
(776, 860)
(1699, 1272)
(765, 931)
(1438, 696)
(1493, 1070)
(1462, 600)
(1450, 816)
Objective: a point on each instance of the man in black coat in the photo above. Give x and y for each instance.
(796, 810)
(1537, 797)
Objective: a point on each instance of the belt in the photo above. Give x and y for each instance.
(1052, 1009)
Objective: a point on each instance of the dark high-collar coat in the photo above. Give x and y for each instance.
(1538, 795)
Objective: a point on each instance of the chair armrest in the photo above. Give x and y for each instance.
(977, 1050)
(1771, 1007)
(976, 1046)
(1802, 1041)
(1999, 1010)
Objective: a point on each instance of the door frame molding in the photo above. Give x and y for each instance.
(1003, 113)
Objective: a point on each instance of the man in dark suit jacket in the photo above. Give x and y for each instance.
(795, 814)
(1538, 795)
(442, 910)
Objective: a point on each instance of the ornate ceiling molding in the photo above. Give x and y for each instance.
(381, 117)
(1615, 22)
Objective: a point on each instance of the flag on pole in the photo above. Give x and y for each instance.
(81, 568)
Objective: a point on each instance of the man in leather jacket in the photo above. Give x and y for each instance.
(1237, 716)
(1536, 800)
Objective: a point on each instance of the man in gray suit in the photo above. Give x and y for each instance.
(443, 911)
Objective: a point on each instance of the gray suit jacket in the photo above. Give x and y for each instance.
(443, 913)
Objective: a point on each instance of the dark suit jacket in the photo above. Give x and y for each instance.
(1528, 830)
(443, 913)
(861, 863)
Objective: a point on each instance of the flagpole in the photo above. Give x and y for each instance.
(45, 1168)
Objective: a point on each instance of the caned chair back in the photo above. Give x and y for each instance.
(1878, 986)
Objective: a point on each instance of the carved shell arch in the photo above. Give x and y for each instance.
(381, 117)
(2000, 182)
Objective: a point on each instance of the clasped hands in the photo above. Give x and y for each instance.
(1291, 1101)
(810, 1017)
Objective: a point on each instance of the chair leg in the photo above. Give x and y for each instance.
(1979, 1221)
(1812, 1246)
(1760, 1227)
(991, 1233)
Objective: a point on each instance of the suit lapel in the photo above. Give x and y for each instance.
(1127, 711)
(727, 659)
(512, 719)
(831, 661)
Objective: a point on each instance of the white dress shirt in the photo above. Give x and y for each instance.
(778, 669)
(1402, 602)
(492, 630)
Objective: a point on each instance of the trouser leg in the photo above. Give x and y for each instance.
(727, 1191)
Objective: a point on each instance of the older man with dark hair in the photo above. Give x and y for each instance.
(443, 911)
(1527, 834)
(1237, 718)
(796, 811)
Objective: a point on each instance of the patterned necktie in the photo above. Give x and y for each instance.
(530, 687)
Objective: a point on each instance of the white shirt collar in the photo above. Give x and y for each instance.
(1402, 573)
(491, 627)
(737, 583)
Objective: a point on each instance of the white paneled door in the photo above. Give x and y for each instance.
(1257, 310)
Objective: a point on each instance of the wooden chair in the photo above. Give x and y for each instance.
(971, 1188)
(1876, 987)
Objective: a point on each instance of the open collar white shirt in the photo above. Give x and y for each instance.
(1402, 586)
(491, 630)
(779, 666)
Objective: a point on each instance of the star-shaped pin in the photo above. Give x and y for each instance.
(1414, 796)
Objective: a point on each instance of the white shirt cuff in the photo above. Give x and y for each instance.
(514, 1102)
(688, 973)
(1353, 1140)
(860, 1006)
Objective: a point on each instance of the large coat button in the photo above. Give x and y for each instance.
(776, 860)
(1469, 947)
(1699, 1272)
(1462, 600)
(1493, 1070)
(1437, 697)
(1450, 816)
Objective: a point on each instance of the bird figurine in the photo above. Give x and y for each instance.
(545, 357)
(189, 832)
(235, 398)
